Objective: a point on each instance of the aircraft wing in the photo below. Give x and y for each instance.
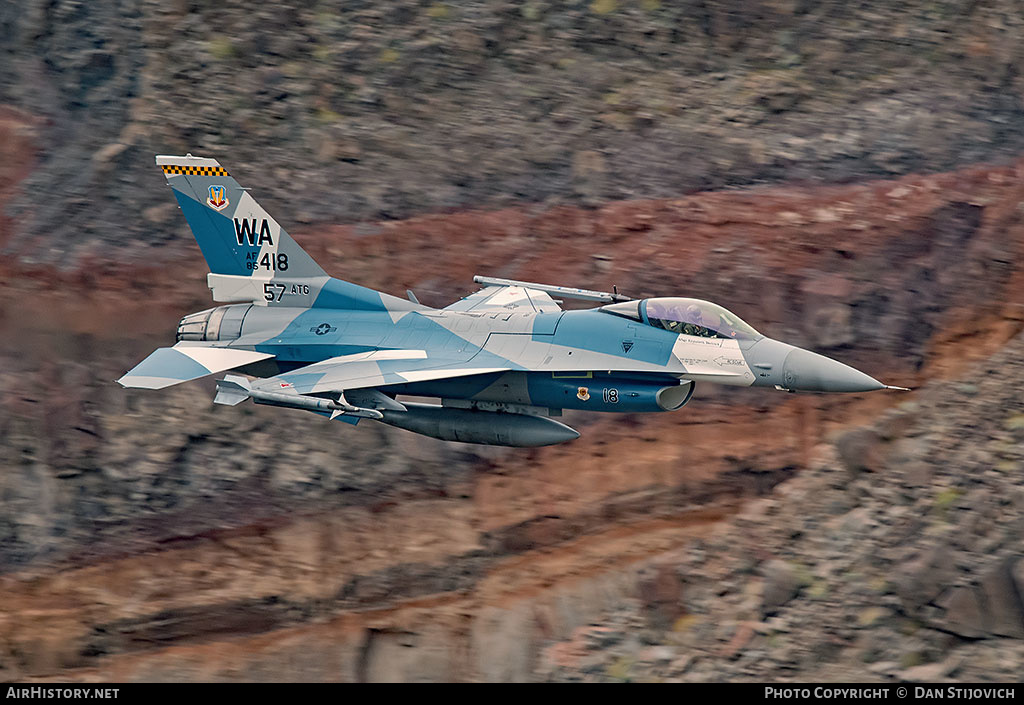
(370, 369)
(507, 298)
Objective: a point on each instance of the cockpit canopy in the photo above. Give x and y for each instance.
(687, 316)
(696, 317)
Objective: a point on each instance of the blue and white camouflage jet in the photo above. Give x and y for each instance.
(503, 362)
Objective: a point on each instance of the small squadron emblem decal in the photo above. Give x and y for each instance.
(217, 199)
(583, 394)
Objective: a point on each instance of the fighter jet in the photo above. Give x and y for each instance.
(503, 362)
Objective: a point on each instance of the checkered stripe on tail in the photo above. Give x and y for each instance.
(195, 170)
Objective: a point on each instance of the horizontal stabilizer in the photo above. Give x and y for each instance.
(168, 366)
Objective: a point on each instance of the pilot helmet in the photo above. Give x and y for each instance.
(693, 314)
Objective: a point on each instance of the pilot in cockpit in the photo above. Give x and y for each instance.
(695, 324)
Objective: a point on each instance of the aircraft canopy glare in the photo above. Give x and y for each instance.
(696, 317)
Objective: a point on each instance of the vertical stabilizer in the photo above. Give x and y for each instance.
(251, 257)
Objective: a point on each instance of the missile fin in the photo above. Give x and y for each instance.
(232, 390)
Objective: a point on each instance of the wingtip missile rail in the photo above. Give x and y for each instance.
(566, 291)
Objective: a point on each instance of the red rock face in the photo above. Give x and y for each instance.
(157, 528)
(18, 152)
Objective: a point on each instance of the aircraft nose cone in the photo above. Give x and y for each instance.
(810, 372)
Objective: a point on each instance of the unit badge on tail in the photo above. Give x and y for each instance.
(217, 199)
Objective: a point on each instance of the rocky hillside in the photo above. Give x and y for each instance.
(149, 536)
(898, 553)
(152, 536)
(343, 112)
